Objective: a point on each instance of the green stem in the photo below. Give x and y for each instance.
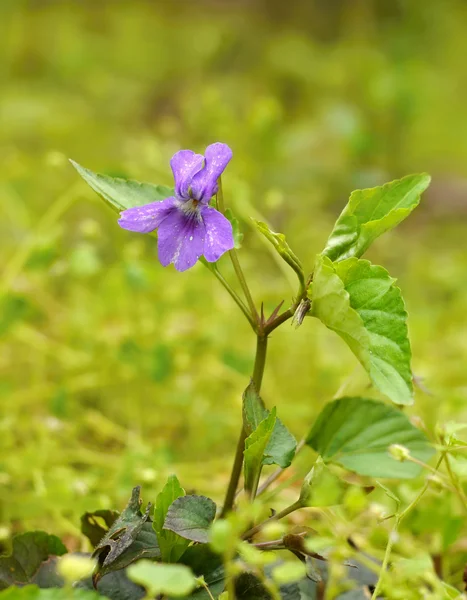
(455, 482)
(239, 302)
(235, 261)
(258, 371)
(392, 535)
(206, 587)
(280, 515)
(260, 361)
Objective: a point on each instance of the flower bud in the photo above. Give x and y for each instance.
(398, 452)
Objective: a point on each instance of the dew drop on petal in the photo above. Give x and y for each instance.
(191, 238)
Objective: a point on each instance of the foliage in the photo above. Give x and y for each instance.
(117, 372)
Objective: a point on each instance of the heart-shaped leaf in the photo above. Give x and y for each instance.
(357, 432)
(360, 302)
(30, 553)
(190, 517)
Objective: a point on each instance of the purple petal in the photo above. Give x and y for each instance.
(204, 183)
(180, 240)
(146, 218)
(185, 164)
(219, 236)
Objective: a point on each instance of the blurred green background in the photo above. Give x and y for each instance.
(116, 371)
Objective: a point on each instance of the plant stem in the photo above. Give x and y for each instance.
(206, 587)
(234, 295)
(260, 361)
(282, 318)
(258, 371)
(393, 533)
(455, 482)
(280, 515)
(234, 259)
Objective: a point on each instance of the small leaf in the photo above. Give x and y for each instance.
(30, 553)
(121, 194)
(255, 448)
(282, 248)
(145, 545)
(280, 449)
(120, 537)
(157, 578)
(191, 517)
(237, 234)
(357, 432)
(371, 212)
(254, 410)
(94, 525)
(31, 592)
(360, 302)
(172, 545)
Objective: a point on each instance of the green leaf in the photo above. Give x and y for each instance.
(357, 432)
(321, 487)
(282, 248)
(255, 448)
(289, 572)
(172, 545)
(145, 545)
(121, 194)
(360, 302)
(30, 553)
(191, 517)
(254, 410)
(281, 447)
(237, 234)
(115, 550)
(371, 212)
(249, 587)
(32, 592)
(157, 578)
(115, 586)
(94, 525)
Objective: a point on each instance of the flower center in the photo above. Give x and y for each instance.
(191, 208)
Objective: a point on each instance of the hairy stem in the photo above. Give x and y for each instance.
(258, 371)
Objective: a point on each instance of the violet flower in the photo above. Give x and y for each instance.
(187, 226)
